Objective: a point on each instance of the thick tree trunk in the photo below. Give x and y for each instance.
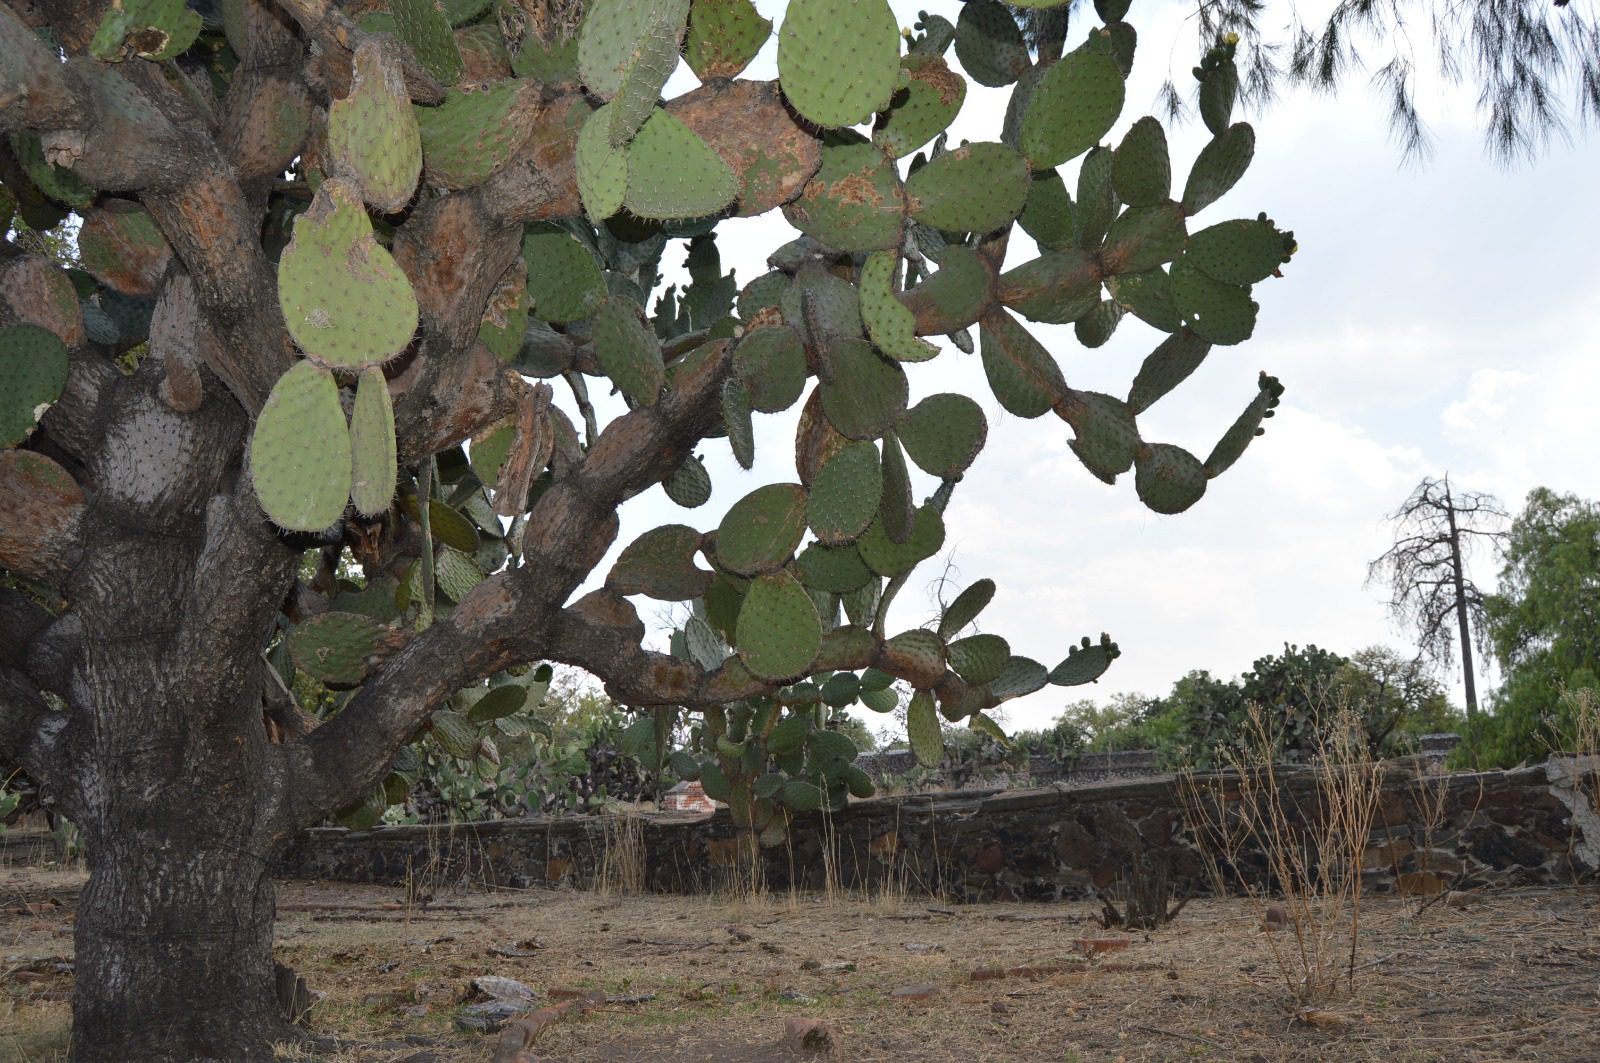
(174, 951)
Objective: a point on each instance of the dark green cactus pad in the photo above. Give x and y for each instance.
(1141, 168)
(372, 132)
(1095, 328)
(830, 751)
(446, 524)
(841, 689)
(1020, 677)
(425, 29)
(33, 373)
(660, 564)
(772, 363)
(149, 29)
(672, 173)
(1143, 238)
(476, 130)
(935, 36)
(1120, 41)
(789, 734)
(834, 569)
(131, 315)
(1047, 217)
(1110, 10)
(1023, 376)
(861, 604)
(689, 485)
(1097, 204)
(345, 301)
(724, 35)
(979, 658)
(564, 278)
(867, 392)
(553, 63)
(989, 44)
(100, 326)
(1075, 103)
(1239, 252)
(1166, 367)
(1246, 427)
(300, 457)
(766, 290)
(975, 188)
(455, 573)
(339, 649)
(889, 558)
(649, 62)
(629, 351)
(779, 633)
(954, 297)
(1106, 436)
(376, 599)
(762, 529)
(455, 735)
(943, 434)
(1017, 106)
(1222, 313)
(1218, 91)
(966, 607)
(1169, 479)
(892, 327)
(884, 700)
(838, 60)
(1058, 287)
(601, 169)
(736, 422)
(924, 731)
(822, 307)
(498, 703)
(1218, 167)
(922, 108)
(853, 203)
(1148, 296)
(1085, 663)
(896, 511)
(845, 493)
(373, 466)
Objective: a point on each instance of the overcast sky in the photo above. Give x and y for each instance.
(1438, 318)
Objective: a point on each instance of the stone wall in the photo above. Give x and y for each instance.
(1530, 826)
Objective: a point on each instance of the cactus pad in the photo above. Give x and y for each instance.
(975, 188)
(372, 444)
(892, 327)
(121, 246)
(1166, 367)
(838, 60)
(979, 658)
(1141, 168)
(629, 351)
(372, 132)
(660, 564)
(497, 703)
(1022, 374)
(834, 569)
(889, 558)
(1148, 296)
(476, 130)
(300, 457)
(923, 107)
(455, 573)
(895, 510)
(724, 35)
(564, 280)
(345, 301)
(1057, 287)
(779, 633)
(955, 296)
(989, 44)
(762, 529)
(601, 169)
(1218, 167)
(772, 363)
(150, 29)
(425, 29)
(1048, 214)
(845, 493)
(1246, 427)
(649, 62)
(1170, 479)
(1106, 436)
(867, 392)
(943, 434)
(33, 372)
(339, 649)
(736, 422)
(966, 607)
(455, 735)
(1085, 663)
(1075, 103)
(1239, 252)
(1143, 238)
(853, 203)
(1020, 677)
(1097, 204)
(689, 485)
(924, 731)
(1222, 313)
(1095, 328)
(616, 33)
(672, 173)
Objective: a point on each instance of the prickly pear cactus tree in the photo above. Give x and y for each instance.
(364, 348)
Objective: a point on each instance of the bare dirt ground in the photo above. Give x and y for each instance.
(1508, 976)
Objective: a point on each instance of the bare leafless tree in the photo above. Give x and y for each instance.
(1436, 531)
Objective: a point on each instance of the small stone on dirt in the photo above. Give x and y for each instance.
(494, 987)
(916, 991)
(923, 946)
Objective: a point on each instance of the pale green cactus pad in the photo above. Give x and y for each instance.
(616, 34)
(893, 328)
(300, 460)
(372, 132)
(974, 188)
(345, 301)
(924, 730)
(761, 531)
(339, 649)
(673, 173)
(425, 29)
(33, 372)
(838, 60)
(601, 168)
(149, 29)
(779, 633)
(372, 444)
(476, 130)
(564, 278)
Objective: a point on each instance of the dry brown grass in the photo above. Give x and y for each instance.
(1511, 977)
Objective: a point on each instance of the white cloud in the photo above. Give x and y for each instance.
(1486, 389)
